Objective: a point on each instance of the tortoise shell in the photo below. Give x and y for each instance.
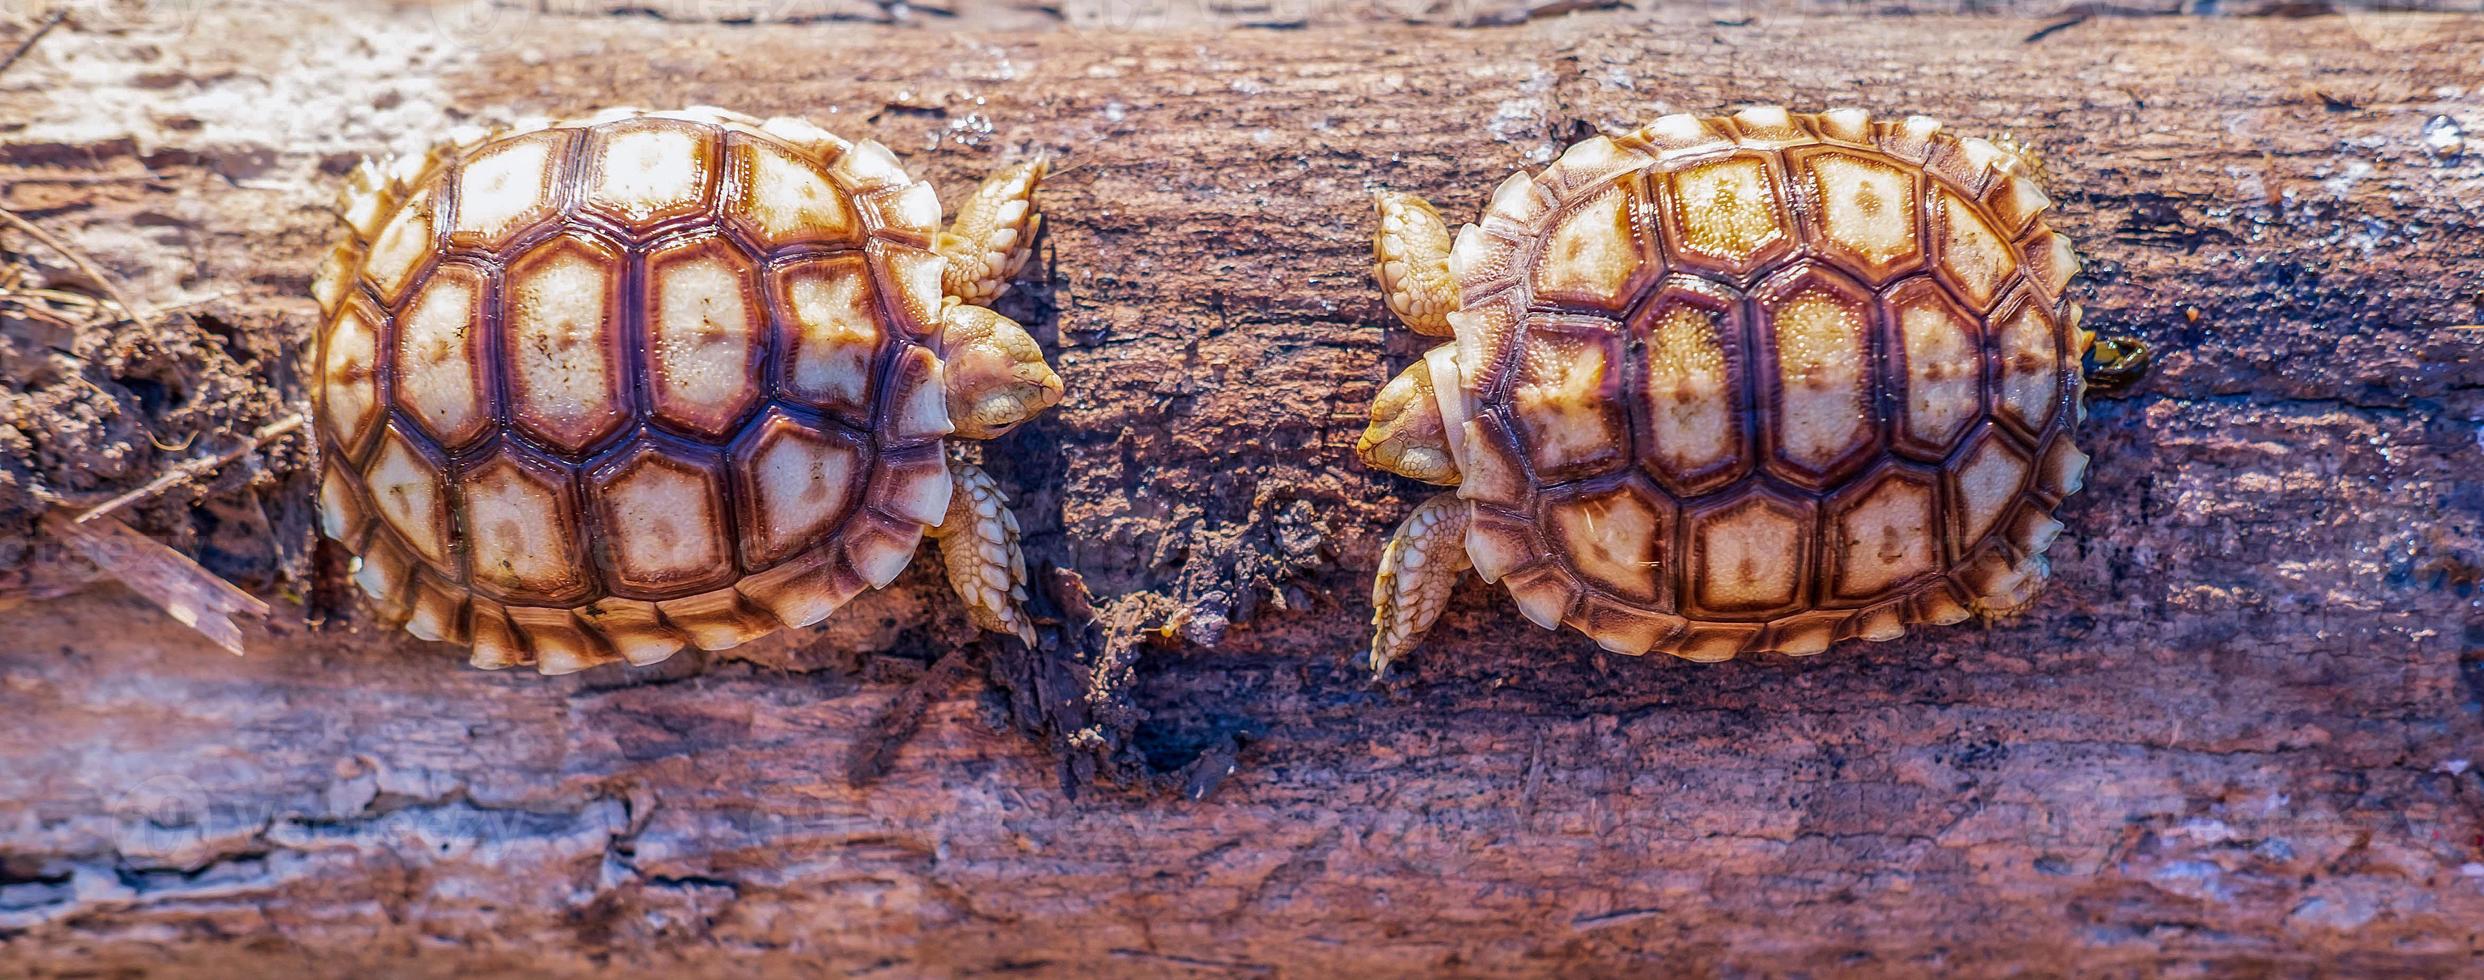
(1766, 382)
(602, 388)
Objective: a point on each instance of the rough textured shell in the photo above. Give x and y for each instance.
(1768, 381)
(600, 388)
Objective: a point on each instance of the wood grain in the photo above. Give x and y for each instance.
(2240, 734)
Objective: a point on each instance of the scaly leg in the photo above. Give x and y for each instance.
(993, 235)
(1410, 257)
(1418, 569)
(979, 548)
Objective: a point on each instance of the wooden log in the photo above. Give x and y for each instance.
(2240, 734)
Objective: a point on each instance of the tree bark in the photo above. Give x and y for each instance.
(2240, 732)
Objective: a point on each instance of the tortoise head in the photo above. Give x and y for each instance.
(997, 377)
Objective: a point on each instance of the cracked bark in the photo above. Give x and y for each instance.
(2240, 732)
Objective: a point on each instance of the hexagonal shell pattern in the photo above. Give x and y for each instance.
(1747, 557)
(508, 187)
(1728, 215)
(444, 371)
(1815, 332)
(661, 521)
(1811, 373)
(600, 389)
(1600, 253)
(1566, 398)
(1619, 539)
(1694, 433)
(644, 172)
(566, 349)
(1936, 368)
(706, 328)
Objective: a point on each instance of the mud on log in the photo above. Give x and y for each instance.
(2241, 731)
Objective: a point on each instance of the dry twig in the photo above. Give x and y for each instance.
(197, 597)
(57, 15)
(111, 286)
(195, 468)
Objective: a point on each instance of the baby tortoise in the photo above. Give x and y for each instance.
(1756, 383)
(600, 388)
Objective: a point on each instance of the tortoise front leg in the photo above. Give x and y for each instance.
(979, 549)
(1418, 570)
(993, 235)
(1410, 257)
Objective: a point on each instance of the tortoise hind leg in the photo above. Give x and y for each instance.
(1410, 257)
(1421, 565)
(979, 549)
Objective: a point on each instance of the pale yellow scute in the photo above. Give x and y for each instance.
(2065, 467)
(1885, 536)
(1593, 253)
(1681, 134)
(520, 530)
(1983, 485)
(1972, 256)
(718, 619)
(663, 523)
(785, 199)
(797, 593)
(2051, 262)
(1750, 556)
(868, 166)
(915, 209)
(918, 401)
(1943, 369)
(651, 170)
(2030, 366)
(438, 355)
(633, 629)
(506, 187)
(921, 489)
(880, 555)
(406, 491)
(349, 386)
(702, 325)
(1692, 405)
(1846, 124)
(1728, 211)
(553, 637)
(1823, 369)
(1615, 540)
(1867, 210)
(799, 482)
(1544, 594)
(1768, 124)
(340, 510)
(912, 286)
(835, 331)
(1564, 404)
(401, 248)
(563, 361)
